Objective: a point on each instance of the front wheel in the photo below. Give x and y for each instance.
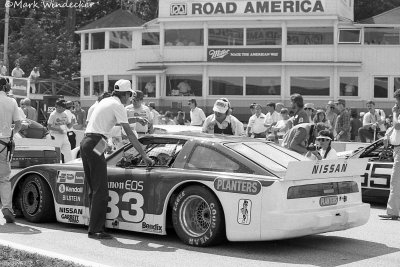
(36, 200)
(198, 218)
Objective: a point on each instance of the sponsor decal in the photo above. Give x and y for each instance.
(70, 218)
(129, 185)
(237, 186)
(71, 210)
(257, 7)
(71, 198)
(178, 9)
(70, 177)
(329, 168)
(70, 189)
(70, 214)
(244, 211)
(151, 227)
(244, 55)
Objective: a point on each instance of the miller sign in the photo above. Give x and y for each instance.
(178, 9)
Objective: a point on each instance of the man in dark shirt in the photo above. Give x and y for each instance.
(300, 116)
(343, 122)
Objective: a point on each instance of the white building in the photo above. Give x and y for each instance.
(247, 51)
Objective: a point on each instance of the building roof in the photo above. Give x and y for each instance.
(389, 17)
(117, 19)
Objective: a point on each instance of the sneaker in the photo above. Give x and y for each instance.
(8, 215)
(389, 217)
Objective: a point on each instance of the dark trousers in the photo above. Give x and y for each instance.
(72, 139)
(365, 133)
(95, 168)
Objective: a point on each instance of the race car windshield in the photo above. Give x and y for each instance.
(267, 155)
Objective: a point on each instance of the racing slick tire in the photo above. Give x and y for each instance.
(198, 217)
(36, 200)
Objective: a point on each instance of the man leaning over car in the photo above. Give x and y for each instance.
(109, 112)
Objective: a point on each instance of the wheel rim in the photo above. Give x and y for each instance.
(195, 216)
(31, 198)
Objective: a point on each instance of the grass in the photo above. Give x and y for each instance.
(10, 257)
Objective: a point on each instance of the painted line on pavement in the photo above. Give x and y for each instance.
(51, 254)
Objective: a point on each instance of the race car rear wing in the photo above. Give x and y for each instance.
(319, 169)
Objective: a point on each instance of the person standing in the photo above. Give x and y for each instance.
(256, 125)
(271, 117)
(70, 130)
(300, 116)
(355, 125)
(342, 126)
(222, 122)
(34, 79)
(3, 69)
(331, 116)
(30, 112)
(9, 115)
(156, 115)
(92, 107)
(58, 124)
(197, 116)
(393, 204)
(109, 112)
(17, 72)
(373, 121)
(140, 114)
(80, 115)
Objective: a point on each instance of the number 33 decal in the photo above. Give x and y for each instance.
(135, 214)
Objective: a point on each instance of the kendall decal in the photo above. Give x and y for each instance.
(237, 186)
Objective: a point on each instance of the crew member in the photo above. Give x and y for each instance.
(222, 122)
(140, 114)
(9, 114)
(109, 112)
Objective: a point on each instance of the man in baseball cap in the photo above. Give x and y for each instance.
(123, 86)
(222, 122)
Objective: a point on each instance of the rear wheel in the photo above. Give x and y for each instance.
(198, 218)
(36, 200)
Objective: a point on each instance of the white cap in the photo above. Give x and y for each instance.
(123, 86)
(221, 106)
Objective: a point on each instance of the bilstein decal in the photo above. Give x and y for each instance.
(237, 186)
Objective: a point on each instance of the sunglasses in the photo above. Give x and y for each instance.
(308, 109)
(323, 140)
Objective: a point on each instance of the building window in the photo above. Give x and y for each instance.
(348, 86)
(381, 85)
(263, 85)
(396, 83)
(112, 79)
(86, 86)
(147, 84)
(98, 40)
(98, 85)
(120, 39)
(86, 36)
(226, 37)
(264, 36)
(381, 36)
(226, 85)
(151, 38)
(313, 86)
(310, 36)
(184, 85)
(349, 36)
(185, 37)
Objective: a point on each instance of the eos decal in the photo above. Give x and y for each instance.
(70, 177)
(237, 186)
(151, 227)
(244, 211)
(129, 185)
(331, 168)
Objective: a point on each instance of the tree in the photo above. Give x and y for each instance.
(364, 9)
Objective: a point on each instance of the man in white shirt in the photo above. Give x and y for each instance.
(272, 117)
(281, 127)
(373, 122)
(197, 116)
(221, 122)
(139, 115)
(8, 115)
(58, 124)
(92, 107)
(109, 112)
(256, 125)
(156, 115)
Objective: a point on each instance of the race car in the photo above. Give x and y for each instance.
(207, 188)
(376, 178)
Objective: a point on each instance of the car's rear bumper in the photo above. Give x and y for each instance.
(303, 222)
